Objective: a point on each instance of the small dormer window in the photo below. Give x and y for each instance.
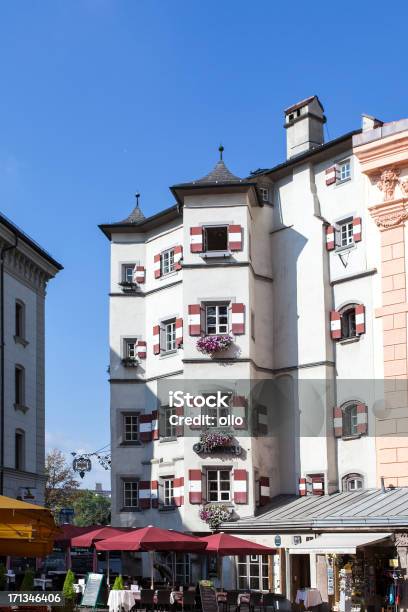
(216, 238)
(344, 170)
(264, 193)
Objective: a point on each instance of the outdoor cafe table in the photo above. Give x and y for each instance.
(126, 599)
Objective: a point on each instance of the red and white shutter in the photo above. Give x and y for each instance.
(240, 486)
(196, 239)
(330, 237)
(144, 494)
(335, 325)
(178, 256)
(155, 425)
(156, 339)
(139, 274)
(264, 491)
(331, 175)
(178, 491)
(238, 410)
(141, 349)
(360, 319)
(194, 319)
(338, 422)
(157, 266)
(302, 487)
(318, 485)
(179, 332)
(235, 238)
(305, 486)
(362, 419)
(357, 229)
(154, 493)
(145, 427)
(195, 486)
(237, 319)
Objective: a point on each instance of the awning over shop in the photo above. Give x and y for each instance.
(339, 543)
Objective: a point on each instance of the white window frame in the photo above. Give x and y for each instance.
(168, 491)
(346, 175)
(125, 268)
(168, 336)
(169, 429)
(219, 493)
(257, 581)
(347, 312)
(217, 332)
(167, 263)
(125, 427)
(353, 478)
(133, 485)
(264, 191)
(130, 348)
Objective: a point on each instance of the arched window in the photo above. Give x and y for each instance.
(350, 420)
(353, 482)
(19, 449)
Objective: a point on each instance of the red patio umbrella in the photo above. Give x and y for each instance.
(88, 539)
(151, 539)
(225, 545)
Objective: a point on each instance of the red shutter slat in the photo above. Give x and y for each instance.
(335, 325)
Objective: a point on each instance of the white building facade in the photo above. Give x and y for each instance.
(283, 261)
(25, 271)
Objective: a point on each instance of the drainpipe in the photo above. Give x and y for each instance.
(3, 250)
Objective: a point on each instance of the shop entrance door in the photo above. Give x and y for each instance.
(300, 571)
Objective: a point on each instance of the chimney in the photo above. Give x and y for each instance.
(304, 126)
(368, 122)
(98, 487)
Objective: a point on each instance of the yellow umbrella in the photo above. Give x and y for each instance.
(25, 529)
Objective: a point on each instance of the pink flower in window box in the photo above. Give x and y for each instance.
(214, 344)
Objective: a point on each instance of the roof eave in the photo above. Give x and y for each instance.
(163, 216)
(302, 157)
(178, 190)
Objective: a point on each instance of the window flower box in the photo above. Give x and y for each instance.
(214, 514)
(214, 344)
(130, 362)
(127, 286)
(213, 440)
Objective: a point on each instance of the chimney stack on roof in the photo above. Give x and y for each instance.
(304, 126)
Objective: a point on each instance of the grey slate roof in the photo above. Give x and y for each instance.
(136, 216)
(220, 174)
(370, 508)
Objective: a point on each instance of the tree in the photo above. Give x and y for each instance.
(91, 509)
(68, 588)
(61, 486)
(118, 584)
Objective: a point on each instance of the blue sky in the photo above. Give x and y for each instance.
(103, 98)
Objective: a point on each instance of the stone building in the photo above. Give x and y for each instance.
(286, 262)
(25, 270)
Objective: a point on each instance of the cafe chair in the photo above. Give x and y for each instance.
(146, 599)
(163, 599)
(231, 601)
(188, 602)
(255, 601)
(268, 602)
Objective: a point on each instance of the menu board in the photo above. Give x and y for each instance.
(208, 599)
(91, 596)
